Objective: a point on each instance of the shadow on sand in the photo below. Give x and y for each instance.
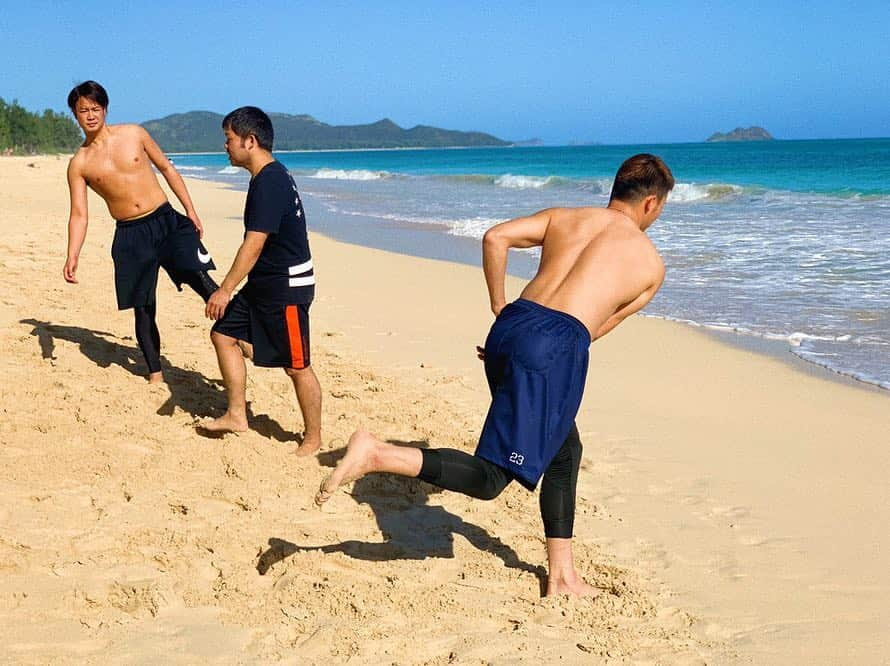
(411, 528)
(259, 423)
(189, 390)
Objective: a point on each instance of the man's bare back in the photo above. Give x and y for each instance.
(594, 262)
(117, 166)
(597, 264)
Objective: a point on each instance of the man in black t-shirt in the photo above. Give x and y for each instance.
(271, 312)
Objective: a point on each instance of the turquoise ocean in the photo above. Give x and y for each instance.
(786, 241)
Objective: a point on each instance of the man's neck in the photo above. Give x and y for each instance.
(627, 210)
(96, 137)
(258, 161)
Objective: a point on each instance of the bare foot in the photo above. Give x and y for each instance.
(226, 423)
(311, 444)
(358, 461)
(574, 586)
(155, 378)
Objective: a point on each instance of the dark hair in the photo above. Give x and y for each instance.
(248, 120)
(90, 90)
(642, 175)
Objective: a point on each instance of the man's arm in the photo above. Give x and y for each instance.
(77, 221)
(633, 306)
(520, 232)
(245, 259)
(171, 175)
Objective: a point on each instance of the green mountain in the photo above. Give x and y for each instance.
(200, 131)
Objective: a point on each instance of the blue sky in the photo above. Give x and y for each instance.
(644, 72)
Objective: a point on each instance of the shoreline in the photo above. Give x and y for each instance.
(417, 241)
(782, 352)
(410, 239)
(555, 145)
(348, 150)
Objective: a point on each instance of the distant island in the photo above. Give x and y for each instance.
(527, 143)
(199, 131)
(742, 134)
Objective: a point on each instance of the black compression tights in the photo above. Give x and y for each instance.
(455, 470)
(200, 282)
(148, 337)
(147, 334)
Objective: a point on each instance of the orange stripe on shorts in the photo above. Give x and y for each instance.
(294, 336)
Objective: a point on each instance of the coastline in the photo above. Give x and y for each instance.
(422, 241)
(828, 336)
(551, 145)
(348, 150)
(780, 351)
(731, 505)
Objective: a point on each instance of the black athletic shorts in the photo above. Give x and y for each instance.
(279, 333)
(165, 238)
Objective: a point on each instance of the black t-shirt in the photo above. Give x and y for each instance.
(283, 274)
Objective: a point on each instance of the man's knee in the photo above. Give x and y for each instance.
(492, 483)
(490, 490)
(221, 341)
(569, 454)
(299, 373)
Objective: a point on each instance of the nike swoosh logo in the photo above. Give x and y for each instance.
(204, 257)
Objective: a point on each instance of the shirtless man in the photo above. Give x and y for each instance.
(115, 161)
(597, 268)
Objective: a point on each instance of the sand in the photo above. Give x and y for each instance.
(733, 508)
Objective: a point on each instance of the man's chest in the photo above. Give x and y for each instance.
(108, 166)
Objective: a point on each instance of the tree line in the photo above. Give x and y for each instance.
(25, 132)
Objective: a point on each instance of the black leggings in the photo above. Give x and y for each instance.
(455, 470)
(147, 334)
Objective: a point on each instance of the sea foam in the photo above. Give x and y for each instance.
(350, 174)
(523, 182)
(689, 192)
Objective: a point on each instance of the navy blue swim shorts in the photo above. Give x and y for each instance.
(536, 364)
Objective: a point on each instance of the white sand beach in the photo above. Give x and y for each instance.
(733, 508)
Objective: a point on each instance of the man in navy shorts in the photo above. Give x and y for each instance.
(270, 315)
(116, 162)
(597, 267)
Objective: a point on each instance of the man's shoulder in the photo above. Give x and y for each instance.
(274, 171)
(77, 158)
(79, 161)
(272, 178)
(128, 128)
(574, 218)
(576, 212)
(574, 221)
(652, 257)
(128, 132)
